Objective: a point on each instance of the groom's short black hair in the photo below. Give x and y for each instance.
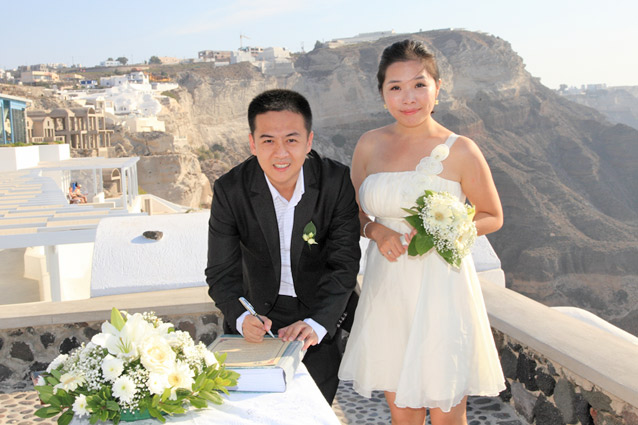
(279, 100)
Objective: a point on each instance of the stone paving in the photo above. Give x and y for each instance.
(17, 408)
(351, 408)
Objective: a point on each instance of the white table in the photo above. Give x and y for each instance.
(302, 403)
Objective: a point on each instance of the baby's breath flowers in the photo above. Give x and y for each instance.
(444, 223)
(137, 363)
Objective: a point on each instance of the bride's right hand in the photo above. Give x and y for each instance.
(391, 244)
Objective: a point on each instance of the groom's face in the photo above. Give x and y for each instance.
(281, 142)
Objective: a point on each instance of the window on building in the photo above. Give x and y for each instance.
(6, 121)
(19, 126)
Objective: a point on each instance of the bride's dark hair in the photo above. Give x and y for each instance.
(403, 51)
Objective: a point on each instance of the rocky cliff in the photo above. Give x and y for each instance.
(618, 104)
(565, 174)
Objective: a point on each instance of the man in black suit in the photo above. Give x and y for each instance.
(260, 244)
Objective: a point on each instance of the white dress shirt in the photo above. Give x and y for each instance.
(285, 212)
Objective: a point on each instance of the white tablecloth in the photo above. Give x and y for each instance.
(302, 403)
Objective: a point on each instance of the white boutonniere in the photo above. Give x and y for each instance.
(309, 233)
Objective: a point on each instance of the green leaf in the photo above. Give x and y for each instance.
(212, 396)
(199, 381)
(221, 357)
(47, 412)
(66, 417)
(45, 393)
(156, 414)
(117, 319)
(199, 403)
(112, 405)
(423, 243)
(55, 401)
(412, 248)
(171, 409)
(415, 221)
(447, 255)
(165, 395)
(65, 398)
(310, 228)
(411, 211)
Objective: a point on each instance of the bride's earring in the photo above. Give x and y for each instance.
(436, 102)
(385, 106)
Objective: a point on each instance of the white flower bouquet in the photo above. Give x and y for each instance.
(137, 367)
(444, 223)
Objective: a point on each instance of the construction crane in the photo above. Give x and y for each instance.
(241, 38)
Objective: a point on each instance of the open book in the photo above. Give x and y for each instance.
(263, 367)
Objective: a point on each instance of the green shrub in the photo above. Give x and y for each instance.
(171, 93)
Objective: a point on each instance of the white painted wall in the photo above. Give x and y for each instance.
(7, 159)
(54, 152)
(75, 270)
(126, 262)
(18, 158)
(34, 263)
(145, 124)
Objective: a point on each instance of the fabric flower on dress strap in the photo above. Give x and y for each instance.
(432, 164)
(440, 152)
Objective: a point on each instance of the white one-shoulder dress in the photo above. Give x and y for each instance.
(420, 329)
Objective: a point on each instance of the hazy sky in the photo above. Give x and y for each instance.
(561, 41)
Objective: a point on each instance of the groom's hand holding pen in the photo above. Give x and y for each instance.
(254, 330)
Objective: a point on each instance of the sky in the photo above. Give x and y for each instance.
(561, 41)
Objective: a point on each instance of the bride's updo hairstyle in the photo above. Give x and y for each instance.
(404, 51)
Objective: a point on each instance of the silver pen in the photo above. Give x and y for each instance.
(248, 306)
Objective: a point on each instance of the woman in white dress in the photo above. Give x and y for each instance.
(421, 332)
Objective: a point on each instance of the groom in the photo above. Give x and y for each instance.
(259, 241)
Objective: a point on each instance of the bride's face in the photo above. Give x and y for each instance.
(409, 92)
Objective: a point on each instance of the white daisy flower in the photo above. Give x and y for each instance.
(180, 377)
(157, 383)
(70, 381)
(124, 388)
(112, 368)
(80, 406)
(57, 362)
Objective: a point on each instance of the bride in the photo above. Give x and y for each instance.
(421, 332)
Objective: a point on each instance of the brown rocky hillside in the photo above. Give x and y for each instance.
(565, 174)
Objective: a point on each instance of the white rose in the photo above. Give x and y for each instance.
(157, 355)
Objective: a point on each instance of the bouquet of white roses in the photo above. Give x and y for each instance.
(137, 367)
(444, 223)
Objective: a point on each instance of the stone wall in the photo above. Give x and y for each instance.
(28, 349)
(545, 393)
(541, 390)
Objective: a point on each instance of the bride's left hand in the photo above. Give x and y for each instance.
(393, 250)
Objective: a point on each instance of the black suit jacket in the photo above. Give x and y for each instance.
(243, 242)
